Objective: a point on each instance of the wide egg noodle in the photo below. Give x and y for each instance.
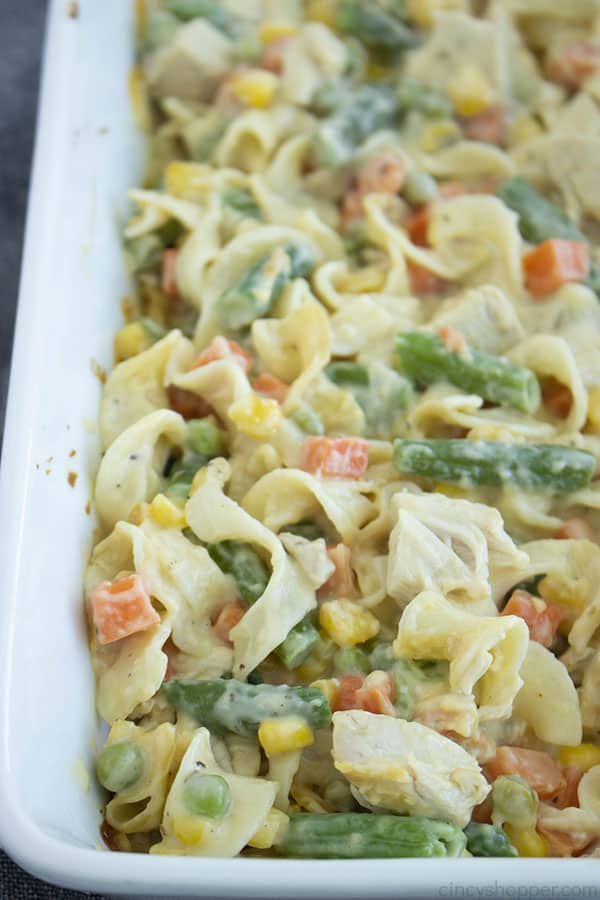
(251, 800)
(138, 385)
(131, 470)
(485, 652)
(548, 699)
(288, 596)
(140, 807)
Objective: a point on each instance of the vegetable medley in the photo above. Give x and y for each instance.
(345, 603)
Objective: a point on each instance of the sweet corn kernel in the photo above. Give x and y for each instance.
(189, 830)
(282, 735)
(439, 134)
(254, 87)
(131, 340)
(584, 756)
(370, 278)
(347, 623)
(271, 831)
(258, 417)
(184, 178)
(593, 417)
(167, 513)
(273, 30)
(327, 686)
(450, 490)
(321, 11)
(526, 841)
(470, 91)
(423, 12)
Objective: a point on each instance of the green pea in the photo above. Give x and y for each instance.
(419, 188)
(119, 766)
(206, 795)
(308, 420)
(204, 436)
(514, 801)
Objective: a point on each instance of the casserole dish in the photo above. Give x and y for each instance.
(88, 153)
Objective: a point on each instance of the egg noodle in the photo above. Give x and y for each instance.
(346, 601)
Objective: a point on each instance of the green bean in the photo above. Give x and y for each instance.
(376, 29)
(347, 660)
(369, 108)
(143, 253)
(154, 331)
(228, 705)
(211, 10)
(365, 836)
(424, 358)
(408, 674)
(419, 188)
(204, 436)
(418, 96)
(351, 373)
(120, 765)
(182, 474)
(485, 840)
(298, 645)
(246, 566)
(206, 795)
(252, 577)
(241, 201)
(260, 287)
(306, 529)
(539, 219)
(382, 394)
(307, 419)
(536, 467)
(514, 802)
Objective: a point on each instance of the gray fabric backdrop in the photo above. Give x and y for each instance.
(21, 31)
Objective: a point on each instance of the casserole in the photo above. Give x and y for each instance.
(72, 272)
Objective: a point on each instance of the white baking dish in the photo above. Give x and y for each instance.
(87, 154)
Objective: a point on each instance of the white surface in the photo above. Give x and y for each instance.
(71, 284)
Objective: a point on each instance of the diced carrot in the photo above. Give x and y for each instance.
(490, 126)
(575, 529)
(345, 695)
(188, 404)
(168, 280)
(568, 796)
(376, 694)
(537, 768)
(343, 457)
(228, 618)
(541, 618)
(483, 812)
(121, 608)
(557, 397)
(352, 207)
(222, 348)
(270, 386)
(574, 64)
(553, 263)
(417, 225)
(383, 173)
(564, 843)
(273, 55)
(423, 281)
(453, 339)
(341, 582)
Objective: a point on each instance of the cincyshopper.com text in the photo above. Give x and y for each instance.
(495, 889)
